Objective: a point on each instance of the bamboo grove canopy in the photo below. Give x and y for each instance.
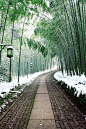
(66, 32)
(61, 26)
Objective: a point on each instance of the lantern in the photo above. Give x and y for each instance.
(10, 51)
(31, 64)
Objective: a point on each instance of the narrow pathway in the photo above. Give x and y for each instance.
(42, 105)
(42, 114)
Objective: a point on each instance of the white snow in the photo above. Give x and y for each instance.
(79, 82)
(6, 86)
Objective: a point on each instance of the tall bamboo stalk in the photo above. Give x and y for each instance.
(12, 43)
(20, 40)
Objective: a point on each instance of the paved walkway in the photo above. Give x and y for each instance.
(42, 114)
(22, 114)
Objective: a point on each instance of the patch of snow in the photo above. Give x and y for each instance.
(3, 106)
(7, 86)
(79, 82)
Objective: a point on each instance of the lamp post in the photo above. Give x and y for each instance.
(9, 54)
(31, 64)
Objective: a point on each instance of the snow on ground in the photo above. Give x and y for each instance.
(79, 82)
(6, 86)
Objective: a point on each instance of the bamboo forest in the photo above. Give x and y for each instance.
(42, 64)
(42, 33)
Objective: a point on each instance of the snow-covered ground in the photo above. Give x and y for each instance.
(6, 86)
(79, 82)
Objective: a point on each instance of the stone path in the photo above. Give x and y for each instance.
(42, 115)
(42, 105)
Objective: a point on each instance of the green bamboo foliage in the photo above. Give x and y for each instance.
(76, 10)
(63, 35)
(11, 10)
(67, 33)
(75, 24)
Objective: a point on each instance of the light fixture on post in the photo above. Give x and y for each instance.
(31, 64)
(10, 51)
(10, 54)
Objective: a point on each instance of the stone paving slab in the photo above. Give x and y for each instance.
(42, 92)
(42, 105)
(42, 97)
(42, 88)
(41, 124)
(42, 114)
(42, 84)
